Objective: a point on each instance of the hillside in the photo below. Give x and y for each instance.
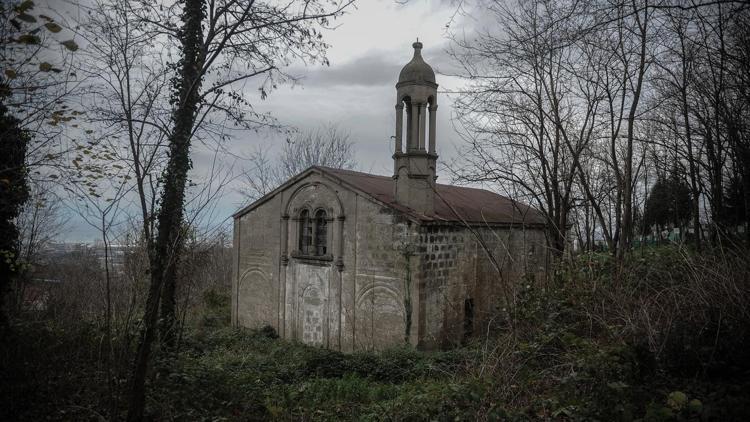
(666, 341)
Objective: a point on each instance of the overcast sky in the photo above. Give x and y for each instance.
(356, 92)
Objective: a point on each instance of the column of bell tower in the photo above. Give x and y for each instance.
(414, 168)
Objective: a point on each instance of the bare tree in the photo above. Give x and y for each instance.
(327, 146)
(36, 52)
(552, 106)
(101, 212)
(33, 86)
(127, 99)
(526, 113)
(740, 65)
(40, 221)
(701, 68)
(128, 75)
(678, 67)
(261, 177)
(239, 40)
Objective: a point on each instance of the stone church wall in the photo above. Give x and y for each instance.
(459, 287)
(358, 305)
(256, 260)
(381, 295)
(387, 279)
(382, 278)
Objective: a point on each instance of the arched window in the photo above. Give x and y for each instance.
(305, 233)
(321, 233)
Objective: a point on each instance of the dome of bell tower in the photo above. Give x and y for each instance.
(417, 70)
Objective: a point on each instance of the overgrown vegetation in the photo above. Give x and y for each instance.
(666, 340)
(613, 118)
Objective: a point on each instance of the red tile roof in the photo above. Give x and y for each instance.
(453, 203)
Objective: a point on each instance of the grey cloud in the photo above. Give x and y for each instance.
(374, 68)
(370, 69)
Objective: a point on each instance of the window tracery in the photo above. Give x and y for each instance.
(321, 233)
(313, 233)
(305, 233)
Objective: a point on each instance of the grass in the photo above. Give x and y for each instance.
(245, 374)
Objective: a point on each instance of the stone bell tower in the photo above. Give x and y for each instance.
(414, 168)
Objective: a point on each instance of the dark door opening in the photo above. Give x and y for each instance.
(468, 319)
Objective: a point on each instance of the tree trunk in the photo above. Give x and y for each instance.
(169, 302)
(745, 154)
(627, 217)
(166, 248)
(693, 168)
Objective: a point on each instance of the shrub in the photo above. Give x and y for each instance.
(689, 313)
(215, 312)
(652, 340)
(269, 332)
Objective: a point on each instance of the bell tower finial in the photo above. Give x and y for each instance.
(414, 167)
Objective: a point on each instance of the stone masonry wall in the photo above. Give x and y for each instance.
(255, 293)
(459, 287)
(388, 280)
(359, 302)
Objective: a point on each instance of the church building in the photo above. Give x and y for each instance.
(352, 261)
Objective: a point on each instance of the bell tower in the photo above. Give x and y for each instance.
(414, 166)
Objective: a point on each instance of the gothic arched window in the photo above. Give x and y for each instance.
(305, 233)
(321, 233)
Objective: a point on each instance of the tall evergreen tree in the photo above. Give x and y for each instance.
(669, 202)
(13, 193)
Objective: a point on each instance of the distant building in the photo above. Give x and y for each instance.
(354, 261)
(115, 254)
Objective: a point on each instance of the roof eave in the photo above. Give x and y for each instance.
(405, 211)
(491, 224)
(324, 172)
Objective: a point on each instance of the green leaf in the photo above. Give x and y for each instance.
(10, 73)
(26, 18)
(45, 67)
(617, 385)
(695, 406)
(70, 45)
(28, 39)
(53, 27)
(677, 400)
(24, 6)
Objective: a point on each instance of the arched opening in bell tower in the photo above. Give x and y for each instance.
(406, 133)
(430, 127)
(417, 132)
